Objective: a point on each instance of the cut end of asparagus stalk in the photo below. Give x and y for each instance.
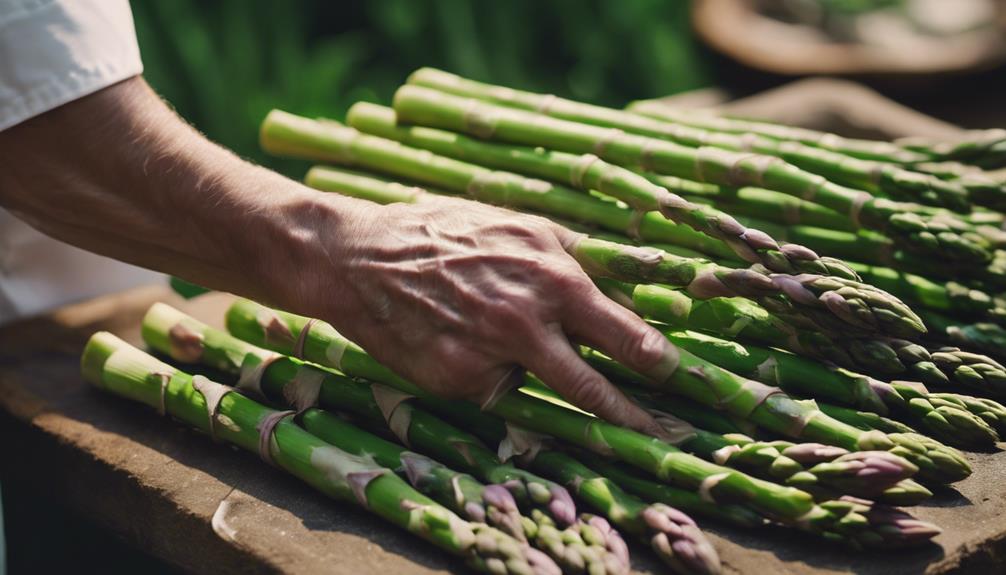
(112, 364)
(289, 135)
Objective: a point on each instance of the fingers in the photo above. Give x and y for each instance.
(567, 237)
(606, 326)
(559, 366)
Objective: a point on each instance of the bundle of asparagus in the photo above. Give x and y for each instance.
(281, 331)
(115, 366)
(165, 328)
(839, 303)
(821, 362)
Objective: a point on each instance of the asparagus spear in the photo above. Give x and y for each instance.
(986, 337)
(874, 355)
(865, 420)
(588, 172)
(813, 467)
(878, 150)
(460, 492)
(915, 153)
(880, 356)
(114, 366)
(672, 534)
(885, 520)
(830, 302)
(986, 189)
(793, 141)
(874, 176)
(916, 290)
(909, 224)
(947, 421)
(693, 378)
(187, 339)
(905, 490)
(616, 479)
(586, 546)
(765, 205)
(986, 148)
(266, 327)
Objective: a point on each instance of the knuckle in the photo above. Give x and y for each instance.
(588, 393)
(644, 348)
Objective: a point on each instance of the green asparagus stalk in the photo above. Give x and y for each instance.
(986, 189)
(909, 224)
(260, 325)
(985, 148)
(906, 490)
(829, 302)
(765, 205)
(809, 378)
(588, 172)
(616, 480)
(114, 366)
(186, 339)
(812, 467)
(878, 150)
(986, 337)
(884, 178)
(909, 400)
(883, 357)
(703, 382)
(862, 247)
(883, 156)
(592, 545)
(460, 492)
(672, 534)
(916, 290)
(991, 411)
(881, 518)
(914, 153)
(981, 436)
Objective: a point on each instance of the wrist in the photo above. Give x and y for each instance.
(291, 246)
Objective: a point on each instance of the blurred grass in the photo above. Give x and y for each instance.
(224, 63)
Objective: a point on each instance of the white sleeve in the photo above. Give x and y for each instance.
(55, 51)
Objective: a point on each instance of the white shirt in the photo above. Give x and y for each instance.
(53, 52)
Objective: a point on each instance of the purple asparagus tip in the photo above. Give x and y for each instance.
(898, 527)
(540, 563)
(813, 453)
(679, 541)
(474, 511)
(759, 240)
(499, 497)
(562, 507)
(871, 471)
(613, 541)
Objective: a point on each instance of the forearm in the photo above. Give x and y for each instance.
(118, 173)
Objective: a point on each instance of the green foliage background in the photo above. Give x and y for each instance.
(223, 64)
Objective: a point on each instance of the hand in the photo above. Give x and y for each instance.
(453, 295)
(449, 293)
